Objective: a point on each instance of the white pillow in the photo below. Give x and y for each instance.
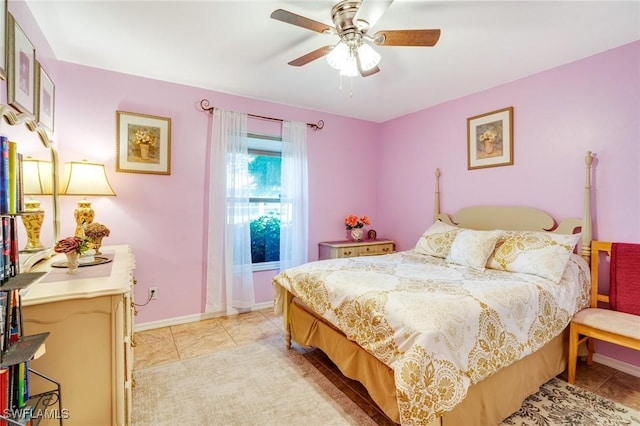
(472, 248)
(536, 253)
(436, 241)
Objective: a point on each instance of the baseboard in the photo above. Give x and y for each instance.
(634, 370)
(191, 318)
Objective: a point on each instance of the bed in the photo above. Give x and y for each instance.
(458, 330)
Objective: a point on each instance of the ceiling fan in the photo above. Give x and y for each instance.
(353, 54)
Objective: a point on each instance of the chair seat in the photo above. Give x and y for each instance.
(620, 323)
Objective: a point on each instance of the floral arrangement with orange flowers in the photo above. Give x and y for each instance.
(96, 230)
(71, 244)
(352, 221)
(144, 136)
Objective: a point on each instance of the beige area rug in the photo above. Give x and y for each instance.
(264, 384)
(256, 384)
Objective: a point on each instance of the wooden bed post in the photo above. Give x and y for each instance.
(286, 321)
(585, 250)
(436, 203)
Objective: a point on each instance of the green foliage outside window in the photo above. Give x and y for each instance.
(265, 238)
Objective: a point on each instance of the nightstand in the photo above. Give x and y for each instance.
(337, 249)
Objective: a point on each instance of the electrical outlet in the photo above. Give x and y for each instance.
(153, 293)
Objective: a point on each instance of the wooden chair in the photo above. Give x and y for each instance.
(600, 323)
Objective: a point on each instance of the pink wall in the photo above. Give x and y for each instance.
(163, 217)
(559, 114)
(382, 170)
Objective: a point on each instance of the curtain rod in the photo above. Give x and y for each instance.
(206, 106)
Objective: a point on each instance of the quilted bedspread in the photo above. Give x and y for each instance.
(440, 327)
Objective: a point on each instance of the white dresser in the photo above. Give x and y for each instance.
(89, 351)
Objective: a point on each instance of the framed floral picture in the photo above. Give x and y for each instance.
(45, 98)
(3, 39)
(490, 139)
(21, 58)
(143, 143)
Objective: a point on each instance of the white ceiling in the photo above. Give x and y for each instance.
(235, 47)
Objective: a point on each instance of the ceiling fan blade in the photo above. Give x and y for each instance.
(406, 37)
(371, 11)
(301, 21)
(311, 56)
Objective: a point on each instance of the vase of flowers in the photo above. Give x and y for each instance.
(95, 232)
(354, 224)
(145, 140)
(72, 247)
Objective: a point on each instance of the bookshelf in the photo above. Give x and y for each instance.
(17, 349)
(17, 404)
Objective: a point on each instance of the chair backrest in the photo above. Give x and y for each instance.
(624, 286)
(598, 247)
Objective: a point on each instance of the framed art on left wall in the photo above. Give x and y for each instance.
(3, 39)
(143, 143)
(21, 62)
(45, 98)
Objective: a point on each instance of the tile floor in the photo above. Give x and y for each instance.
(163, 345)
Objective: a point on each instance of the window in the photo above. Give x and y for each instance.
(264, 198)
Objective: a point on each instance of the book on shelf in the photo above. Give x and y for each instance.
(14, 250)
(6, 248)
(13, 174)
(20, 185)
(4, 175)
(4, 390)
(3, 310)
(7, 321)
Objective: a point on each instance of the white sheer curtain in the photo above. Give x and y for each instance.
(229, 269)
(294, 200)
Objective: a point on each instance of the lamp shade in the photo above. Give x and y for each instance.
(37, 177)
(84, 178)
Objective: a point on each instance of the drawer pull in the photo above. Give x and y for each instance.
(385, 249)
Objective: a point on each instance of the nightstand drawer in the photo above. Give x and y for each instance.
(374, 249)
(341, 249)
(346, 252)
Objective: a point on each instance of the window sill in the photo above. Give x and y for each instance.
(265, 266)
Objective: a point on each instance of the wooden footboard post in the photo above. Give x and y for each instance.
(585, 250)
(286, 322)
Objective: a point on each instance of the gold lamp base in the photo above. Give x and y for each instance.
(32, 221)
(83, 215)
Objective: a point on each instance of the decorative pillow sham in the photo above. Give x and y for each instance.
(472, 248)
(436, 241)
(536, 253)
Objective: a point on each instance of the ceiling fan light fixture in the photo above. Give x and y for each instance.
(343, 58)
(369, 58)
(349, 67)
(338, 56)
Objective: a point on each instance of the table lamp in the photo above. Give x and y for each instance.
(84, 178)
(36, 180)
